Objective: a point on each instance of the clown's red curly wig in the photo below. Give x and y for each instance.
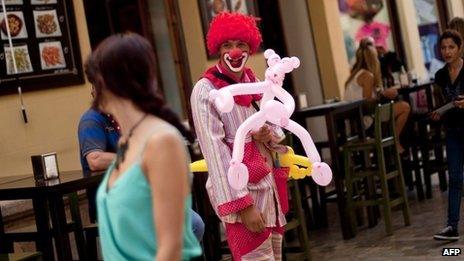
(233, 26)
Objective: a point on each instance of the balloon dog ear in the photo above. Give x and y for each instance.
(295, 62)
(272, 57)
(268, 53)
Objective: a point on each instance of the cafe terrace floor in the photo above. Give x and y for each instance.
(407, 243)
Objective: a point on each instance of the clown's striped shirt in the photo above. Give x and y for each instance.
(215, 130)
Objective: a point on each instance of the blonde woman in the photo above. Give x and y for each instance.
(365, 82)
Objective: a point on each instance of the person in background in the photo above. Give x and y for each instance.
(98, 135)
(365, 82)
(457, 23)
(253, 216)
(218, 6)
(450, 79)
(389, 64)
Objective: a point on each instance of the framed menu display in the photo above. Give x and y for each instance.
(45, 45)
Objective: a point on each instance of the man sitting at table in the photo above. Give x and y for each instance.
(98, 135)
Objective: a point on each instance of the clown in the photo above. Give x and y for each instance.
(253, 215)
(271, 110)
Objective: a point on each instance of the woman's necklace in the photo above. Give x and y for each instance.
(123, 146)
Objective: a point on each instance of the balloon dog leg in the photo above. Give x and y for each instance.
(321, 173)
(237, 175)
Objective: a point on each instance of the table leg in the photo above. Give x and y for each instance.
(58, 216)
(317, 213)
(45, 243)
(417, 174)
(337, 176)
(309, 215)
(323, 207)
(6, 246)
(428, 93)
(212, 239)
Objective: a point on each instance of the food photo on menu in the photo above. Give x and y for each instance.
(46, 24)
(43, 2)
(16, 25)
(23, 61)
(51, 55)
(13, 2)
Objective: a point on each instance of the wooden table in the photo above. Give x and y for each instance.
(48, 193)
(334, 113)
(404, 93)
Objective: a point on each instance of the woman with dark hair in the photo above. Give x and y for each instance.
(144, 200)
(450, 79)
(457, 23)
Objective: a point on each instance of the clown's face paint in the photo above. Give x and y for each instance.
(234, 55)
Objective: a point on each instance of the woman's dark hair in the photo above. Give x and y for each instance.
(124, 64)
(451, 34)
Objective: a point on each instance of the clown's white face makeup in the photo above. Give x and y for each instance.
(234, 55)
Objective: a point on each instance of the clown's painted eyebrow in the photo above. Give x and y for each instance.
(226, 44)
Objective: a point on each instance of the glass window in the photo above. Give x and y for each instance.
(164, 52)
(428, 24)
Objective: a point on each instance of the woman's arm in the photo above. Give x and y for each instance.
(99, 160)
(165, 162)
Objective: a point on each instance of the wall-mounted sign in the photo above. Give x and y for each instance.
(45, 44)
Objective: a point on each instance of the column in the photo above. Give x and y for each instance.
(411, 39)
(330, 46)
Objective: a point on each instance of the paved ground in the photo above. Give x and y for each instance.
(408, 243)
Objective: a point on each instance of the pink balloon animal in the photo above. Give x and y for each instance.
(272, 111)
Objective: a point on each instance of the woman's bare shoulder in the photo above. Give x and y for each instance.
(365, 75)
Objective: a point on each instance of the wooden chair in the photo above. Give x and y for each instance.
(385, 139)
(75, 226)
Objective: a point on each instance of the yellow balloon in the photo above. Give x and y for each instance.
(199, 166)
(300, 166)
(293, 172)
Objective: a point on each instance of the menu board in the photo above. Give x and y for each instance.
(45, 45)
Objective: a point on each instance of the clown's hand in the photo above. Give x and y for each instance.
(223, 100)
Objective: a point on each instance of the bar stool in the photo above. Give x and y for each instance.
(91, 234)
(76, 225)
(385, 138)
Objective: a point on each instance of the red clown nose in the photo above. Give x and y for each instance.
(236, 53)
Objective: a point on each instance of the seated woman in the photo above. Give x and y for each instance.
(365, 83)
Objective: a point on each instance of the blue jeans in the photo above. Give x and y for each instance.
(198, 226)
(455, 155)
